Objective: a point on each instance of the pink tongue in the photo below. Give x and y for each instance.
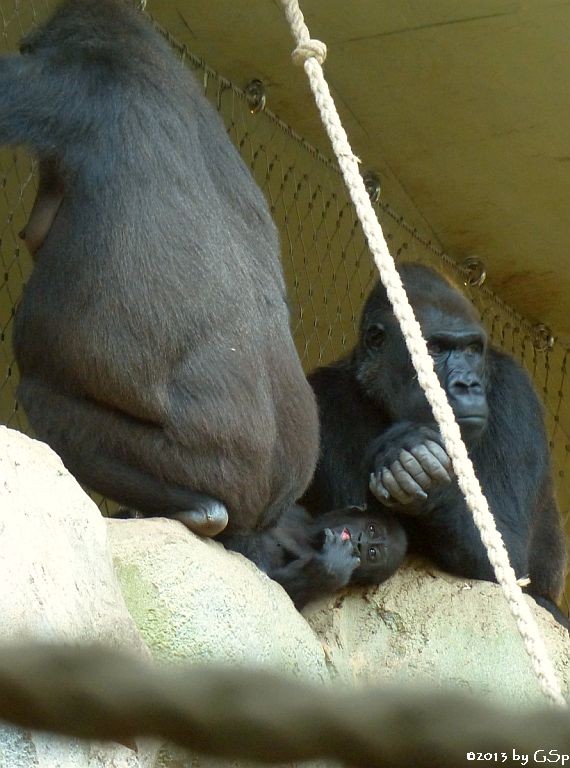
(345, 535)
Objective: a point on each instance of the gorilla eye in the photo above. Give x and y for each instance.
(434, 348)
(474, 349)
(372, 552)
(371, 529)
(374, 335)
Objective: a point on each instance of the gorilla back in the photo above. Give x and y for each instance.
(153, 337)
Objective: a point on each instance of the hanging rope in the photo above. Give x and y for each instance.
(252, 714)
(311, 54)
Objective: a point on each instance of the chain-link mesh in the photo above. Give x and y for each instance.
(327, 264)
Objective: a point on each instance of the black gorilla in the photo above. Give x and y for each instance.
(314, 557)
(153, 337)
(378, 432)
(311, 558)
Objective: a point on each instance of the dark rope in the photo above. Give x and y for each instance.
(100, 694)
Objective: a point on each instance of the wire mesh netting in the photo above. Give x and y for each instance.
(327, 264)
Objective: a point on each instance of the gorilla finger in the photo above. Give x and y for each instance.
(377, 488)
(415, 469)
(431, 465)
(380, 492)
(393, 487)
(329, 536)
(406, 481)
(440, 454)
(207, 520)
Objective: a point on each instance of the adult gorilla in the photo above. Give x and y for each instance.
(378, 432)
(153, 336)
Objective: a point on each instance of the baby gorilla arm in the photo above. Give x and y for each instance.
(320, 572)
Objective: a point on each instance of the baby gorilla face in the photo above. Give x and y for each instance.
(379, 541)
(368, 537)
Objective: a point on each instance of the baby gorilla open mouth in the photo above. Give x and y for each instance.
(345, 535)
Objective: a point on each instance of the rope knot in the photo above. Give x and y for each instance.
(311, 49)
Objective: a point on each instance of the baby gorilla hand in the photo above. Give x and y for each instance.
(338, 559)
(408, 464)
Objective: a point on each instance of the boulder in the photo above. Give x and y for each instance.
(58, 585)
(426, 626)
(70, 576)
(193, 601)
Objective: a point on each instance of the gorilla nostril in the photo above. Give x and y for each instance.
(466, 385)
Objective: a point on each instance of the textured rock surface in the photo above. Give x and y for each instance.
(426, 626)
(56, 571)
(190, 600)
(58, 584)
(193, 601)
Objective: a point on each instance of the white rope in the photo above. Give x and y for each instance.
(312, 53)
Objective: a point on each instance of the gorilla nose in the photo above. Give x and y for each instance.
(464, 385)
(467, 397)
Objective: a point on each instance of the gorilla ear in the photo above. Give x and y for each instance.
(374, 336)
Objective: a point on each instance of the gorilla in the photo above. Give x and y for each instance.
(312, 558)
(153, 336)
(381, 446)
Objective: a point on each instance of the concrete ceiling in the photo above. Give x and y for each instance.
(465, 102)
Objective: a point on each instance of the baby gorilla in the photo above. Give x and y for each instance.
(312, 558)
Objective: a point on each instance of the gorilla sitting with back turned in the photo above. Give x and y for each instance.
(153, 336)
(380, 444)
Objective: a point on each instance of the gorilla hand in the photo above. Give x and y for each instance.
(408, 463)
(339, 558)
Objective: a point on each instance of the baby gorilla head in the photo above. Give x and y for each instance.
(379, 540)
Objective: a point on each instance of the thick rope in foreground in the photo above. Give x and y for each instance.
(312, 54)
(93, 693)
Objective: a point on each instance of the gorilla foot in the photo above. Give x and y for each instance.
(209, 519)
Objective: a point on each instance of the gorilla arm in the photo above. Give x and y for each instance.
(408, 462)
(30, 95)
(46, 205)
(318, 572)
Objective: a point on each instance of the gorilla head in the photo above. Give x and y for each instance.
(378, 540)
(456, 342)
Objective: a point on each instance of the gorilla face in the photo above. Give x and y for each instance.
(379, 541)
(456, 342)
(459, 361)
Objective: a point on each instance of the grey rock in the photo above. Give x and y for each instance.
(58, 584)
(427, 627)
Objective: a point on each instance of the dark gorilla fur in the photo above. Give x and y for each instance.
(153, 336)
(312, 558)
(376, 425)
